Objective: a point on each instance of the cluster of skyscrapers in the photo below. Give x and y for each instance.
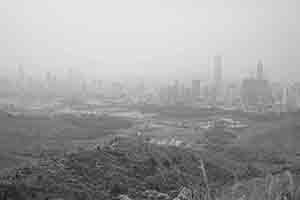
(252, 94)
(71, 83)
(199, 91)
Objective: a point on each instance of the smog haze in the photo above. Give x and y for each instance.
(150, 38)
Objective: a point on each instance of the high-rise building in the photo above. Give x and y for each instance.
(21, 73)
(21, 78)
(48, 77)
(217, 85)
(99, 84)
(187, 94)
(206, 92)
(176, 90)
(218, 69)
(170, 94)
(260, 70)
(231, 94)
(290, 99)
(196, 88)
(257, 92)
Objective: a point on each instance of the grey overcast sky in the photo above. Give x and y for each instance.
(151, 37)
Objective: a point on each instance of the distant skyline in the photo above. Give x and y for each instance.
(151, 38)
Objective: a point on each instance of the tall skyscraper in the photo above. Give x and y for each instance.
(260, 70)
(218, 69)
(21, 73)
(196, 88)
(48, 77)
(176, 90)
(257, 92)
(217, 85)
(290, 99)
(99, 84)
(231, 94)
(21, 78)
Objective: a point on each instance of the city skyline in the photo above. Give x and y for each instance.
(180, 37)
(207, 75)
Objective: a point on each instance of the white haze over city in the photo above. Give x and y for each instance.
(157, 38)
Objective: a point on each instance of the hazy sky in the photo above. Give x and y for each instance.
(151, 36)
